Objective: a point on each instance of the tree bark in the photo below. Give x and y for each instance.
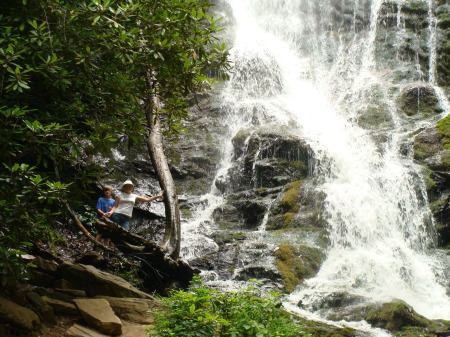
(172, 234)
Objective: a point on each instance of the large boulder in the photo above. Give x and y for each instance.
(395, 316)
(96, 282)
(19, 316)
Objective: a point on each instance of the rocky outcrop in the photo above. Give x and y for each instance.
(99, 304)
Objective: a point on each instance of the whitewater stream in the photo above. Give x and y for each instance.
(314, 68)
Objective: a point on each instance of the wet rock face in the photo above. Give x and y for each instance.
(265, 159)
(195, 154)
(443, 46)
(431, 148)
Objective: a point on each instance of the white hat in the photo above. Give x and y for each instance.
(128, 182)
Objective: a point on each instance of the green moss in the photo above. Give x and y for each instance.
(443, 126)
(288, 219)
(415, 7)
(186, 213)
(291, 197)
(228, 237)
(296, 264)
(429, 182)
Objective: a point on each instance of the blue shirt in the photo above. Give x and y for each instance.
(104, 204)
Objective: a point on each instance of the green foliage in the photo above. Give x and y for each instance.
(202, 311)
(12, 267)
(28, 202)
(77, 75)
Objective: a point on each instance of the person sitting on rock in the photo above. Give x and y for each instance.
(125, 200)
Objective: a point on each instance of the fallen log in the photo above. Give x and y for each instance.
(159, 271)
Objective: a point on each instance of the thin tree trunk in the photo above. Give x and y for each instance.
(172, 232)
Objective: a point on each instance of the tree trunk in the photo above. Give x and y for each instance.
(172, 232)
(159, 272)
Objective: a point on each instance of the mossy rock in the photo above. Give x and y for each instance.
(415, 7)
(396, 316)
(298, 207)
(432, 146)
(225, 237)
(373, 116)
(419, 99)
(297, 263)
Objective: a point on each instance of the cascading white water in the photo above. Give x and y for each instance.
(296, 61)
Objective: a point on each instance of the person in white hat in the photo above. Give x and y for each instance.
(123, 208)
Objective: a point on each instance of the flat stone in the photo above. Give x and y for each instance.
(71, 292)
(18, 315)
(99, 315)
(136, 310)
(78, 330)
(61, 307)
(133, 330)
(99, 283)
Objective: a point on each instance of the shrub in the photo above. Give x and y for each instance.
(202, 311)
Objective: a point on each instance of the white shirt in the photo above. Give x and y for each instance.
(126, 203)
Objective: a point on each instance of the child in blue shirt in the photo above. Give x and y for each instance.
(104, 206)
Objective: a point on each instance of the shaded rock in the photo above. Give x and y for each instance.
(64, 284)
(227, 216)
(61, 307)
(96, 282)
(71, 292)
(92, 258)
(133, 309)
(78, 330)
(40, 278)
(44, 310)
(98, 314)
(18, 315)
(395, 315)
(50, 267)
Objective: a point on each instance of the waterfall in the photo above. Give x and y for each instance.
(313, 67)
